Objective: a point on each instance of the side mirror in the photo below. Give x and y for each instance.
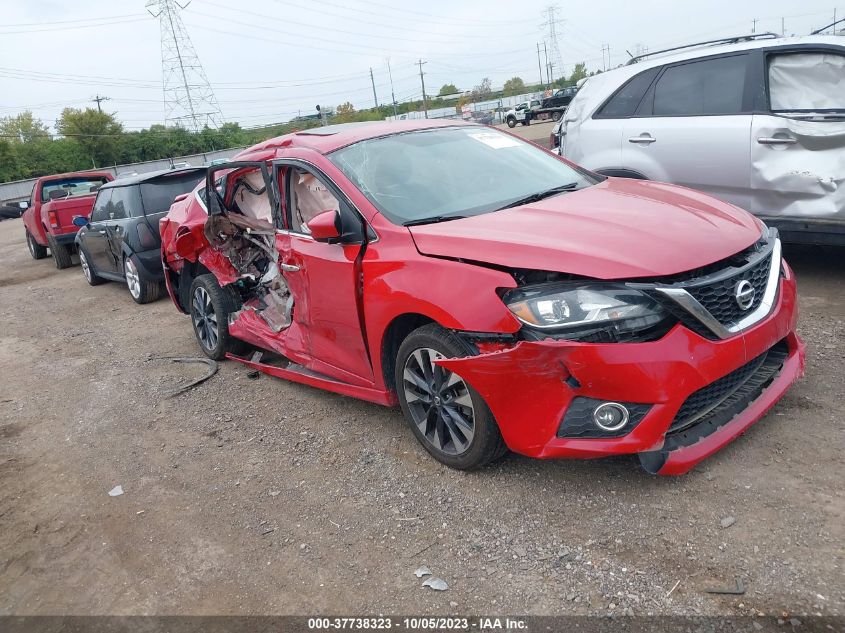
(325, 227)
(80, 221)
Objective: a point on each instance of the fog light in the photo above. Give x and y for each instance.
(610, 416)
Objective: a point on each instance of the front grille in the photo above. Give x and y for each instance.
(716, 404)
(719, 298)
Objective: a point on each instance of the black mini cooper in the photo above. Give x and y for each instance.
(120, 241)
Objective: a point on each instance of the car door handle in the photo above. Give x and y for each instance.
(290, 268)
(101, 231)
(775, 140)
(645, 139)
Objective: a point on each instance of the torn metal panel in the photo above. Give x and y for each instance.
(248, 243)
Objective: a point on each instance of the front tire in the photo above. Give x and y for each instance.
(556, 116)
(60, 252)
(447, 416)
(35, 249)
(511, 122)
(210, 308)
(141, 289)
(91, 276)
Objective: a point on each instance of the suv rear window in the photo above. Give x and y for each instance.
(710, 86)
(158, 194)
(624, 103)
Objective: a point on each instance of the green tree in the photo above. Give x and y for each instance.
(447, 89)
(482, 90)
(514, 86)
(578, 73)
(97, 133)
(23, 128)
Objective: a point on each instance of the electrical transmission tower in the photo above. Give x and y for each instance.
(550, 23)
(189, 101)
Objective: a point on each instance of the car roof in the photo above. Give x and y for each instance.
(137, 179)
(331, 137)
(77, 174)
(597, 88)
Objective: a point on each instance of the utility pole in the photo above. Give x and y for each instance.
(539, 63)
(392, 94)
(98, 99)
(754, 25)
(546, 53)
(422, 82)
(373, 81)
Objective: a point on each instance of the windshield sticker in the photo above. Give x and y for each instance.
(494, 139)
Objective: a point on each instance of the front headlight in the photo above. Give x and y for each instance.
(579, 306)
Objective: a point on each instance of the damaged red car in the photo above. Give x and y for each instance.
(505, 298)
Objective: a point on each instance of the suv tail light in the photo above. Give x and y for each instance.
(146, 237)
(53, 217)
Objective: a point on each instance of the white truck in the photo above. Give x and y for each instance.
(521, 113)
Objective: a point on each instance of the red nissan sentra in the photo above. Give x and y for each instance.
(505, 298)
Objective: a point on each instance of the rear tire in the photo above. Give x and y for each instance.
(141, 289)
(60, 252)
(447, 416)
(210, 307)
(88, 271)
(556, 116)
(35, 249)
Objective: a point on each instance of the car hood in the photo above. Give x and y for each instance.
(617, 229)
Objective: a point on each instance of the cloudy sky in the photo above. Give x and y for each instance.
(267, 60)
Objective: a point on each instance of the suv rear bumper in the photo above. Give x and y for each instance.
(530, 386)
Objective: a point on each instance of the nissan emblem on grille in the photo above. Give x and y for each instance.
(744, 294)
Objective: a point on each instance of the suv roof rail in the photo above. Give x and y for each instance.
(725, 40)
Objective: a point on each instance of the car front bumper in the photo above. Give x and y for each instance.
(530, 386)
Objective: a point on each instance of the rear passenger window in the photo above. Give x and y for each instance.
(624, 103)
(124, 203)
(100, 210)
(712, 86)
(807, 82)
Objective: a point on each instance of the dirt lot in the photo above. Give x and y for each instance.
(538, 132)
(259, 496)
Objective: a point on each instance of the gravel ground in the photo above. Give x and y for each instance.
(260, 496)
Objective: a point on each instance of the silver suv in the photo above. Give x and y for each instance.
(758, 121)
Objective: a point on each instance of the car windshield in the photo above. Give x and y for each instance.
(67, 187)
(452, 172)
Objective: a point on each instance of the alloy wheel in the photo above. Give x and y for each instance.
(205, 319)
(133, 280)
(86, 269)
(439, 402)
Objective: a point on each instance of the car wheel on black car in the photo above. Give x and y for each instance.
(141, 289)
(35, 249)
(210, 308)
(91, 276)
(60, 252)
(556, 116)
(448, 417)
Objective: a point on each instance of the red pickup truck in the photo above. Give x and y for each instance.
(55, 201)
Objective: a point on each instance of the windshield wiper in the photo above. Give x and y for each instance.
(433, 220)
(536, 197)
